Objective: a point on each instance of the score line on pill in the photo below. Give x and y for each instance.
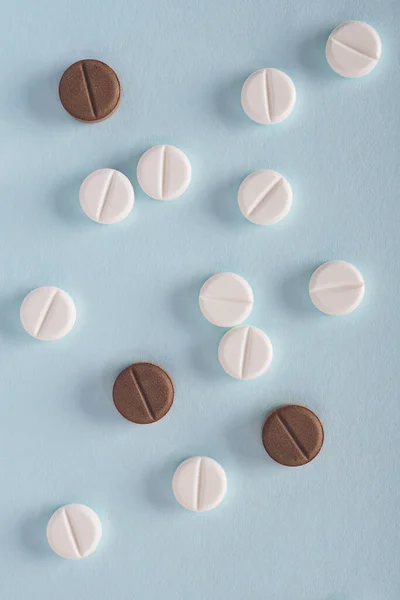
(90, 91)
(164, 172)
(292, 435)
(245, 352)
(353, 49)
(106, 196)
(74, 531)
(336, 288)
(226, 299)
(268, 96)
(143, 393)
(199, 484)
(48, 313)
(265, 197)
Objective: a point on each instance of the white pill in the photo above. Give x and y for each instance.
(268, 96)
(74, 531)
(48, 313)
(106, 196)
(353, 49)
(199, 484)
(164, 172)
(336, 288)
(265, 197)
(226, 299)
(245, 352)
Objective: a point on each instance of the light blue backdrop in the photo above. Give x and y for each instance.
(328, 531)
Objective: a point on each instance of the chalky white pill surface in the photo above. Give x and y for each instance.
(245, 352)
(336, 288)
(199, 484)
(353, 49)
(106, 196)
(164, 172)
(265, 197)
(226, 299)
(74, 531)
(48, 313)
(268, 96)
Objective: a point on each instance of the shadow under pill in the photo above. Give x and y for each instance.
(227, 101)
(127, 165)
(96, 400)
(41, 94)
(202, 354)
(157, 486)
(244, 438)
(311, 55)
(33, 532)
(67, 207)
(223, 204)
(10, 323)
(184, 303)
(293, 292)
(204, 359)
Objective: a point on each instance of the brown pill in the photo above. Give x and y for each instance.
(143, 393)
(90, 91)
(292, 435)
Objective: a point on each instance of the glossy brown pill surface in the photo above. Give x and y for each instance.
(292, 435)
(90, 91)
(143, 393)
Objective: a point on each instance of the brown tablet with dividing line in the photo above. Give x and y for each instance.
(143, 393)
(90, 91)
(292, 435)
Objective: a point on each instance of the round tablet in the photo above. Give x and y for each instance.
(245, 352)
(48, 313)
(199, 484)
(74, 531)
(268, 96)
(90, 91)
(226, 299)
(336, 288)
(353, 49)
(164, 172)
(292, 435)
(106, 196)
(143, 393)
(265, 197)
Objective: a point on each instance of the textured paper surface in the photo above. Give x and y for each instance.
(328, 531)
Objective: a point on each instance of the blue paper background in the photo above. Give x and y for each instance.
(328, 531)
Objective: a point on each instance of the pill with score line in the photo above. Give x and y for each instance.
(48, 313)
(164, 172)
(337, 288)
(353, 49)
(268, 96)
(292, 435)
(265, 197)
(143, 393)
(245, 352)
(90, 91)
(74, 531)
(226, 299)
(106, 196)
(199, 484)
